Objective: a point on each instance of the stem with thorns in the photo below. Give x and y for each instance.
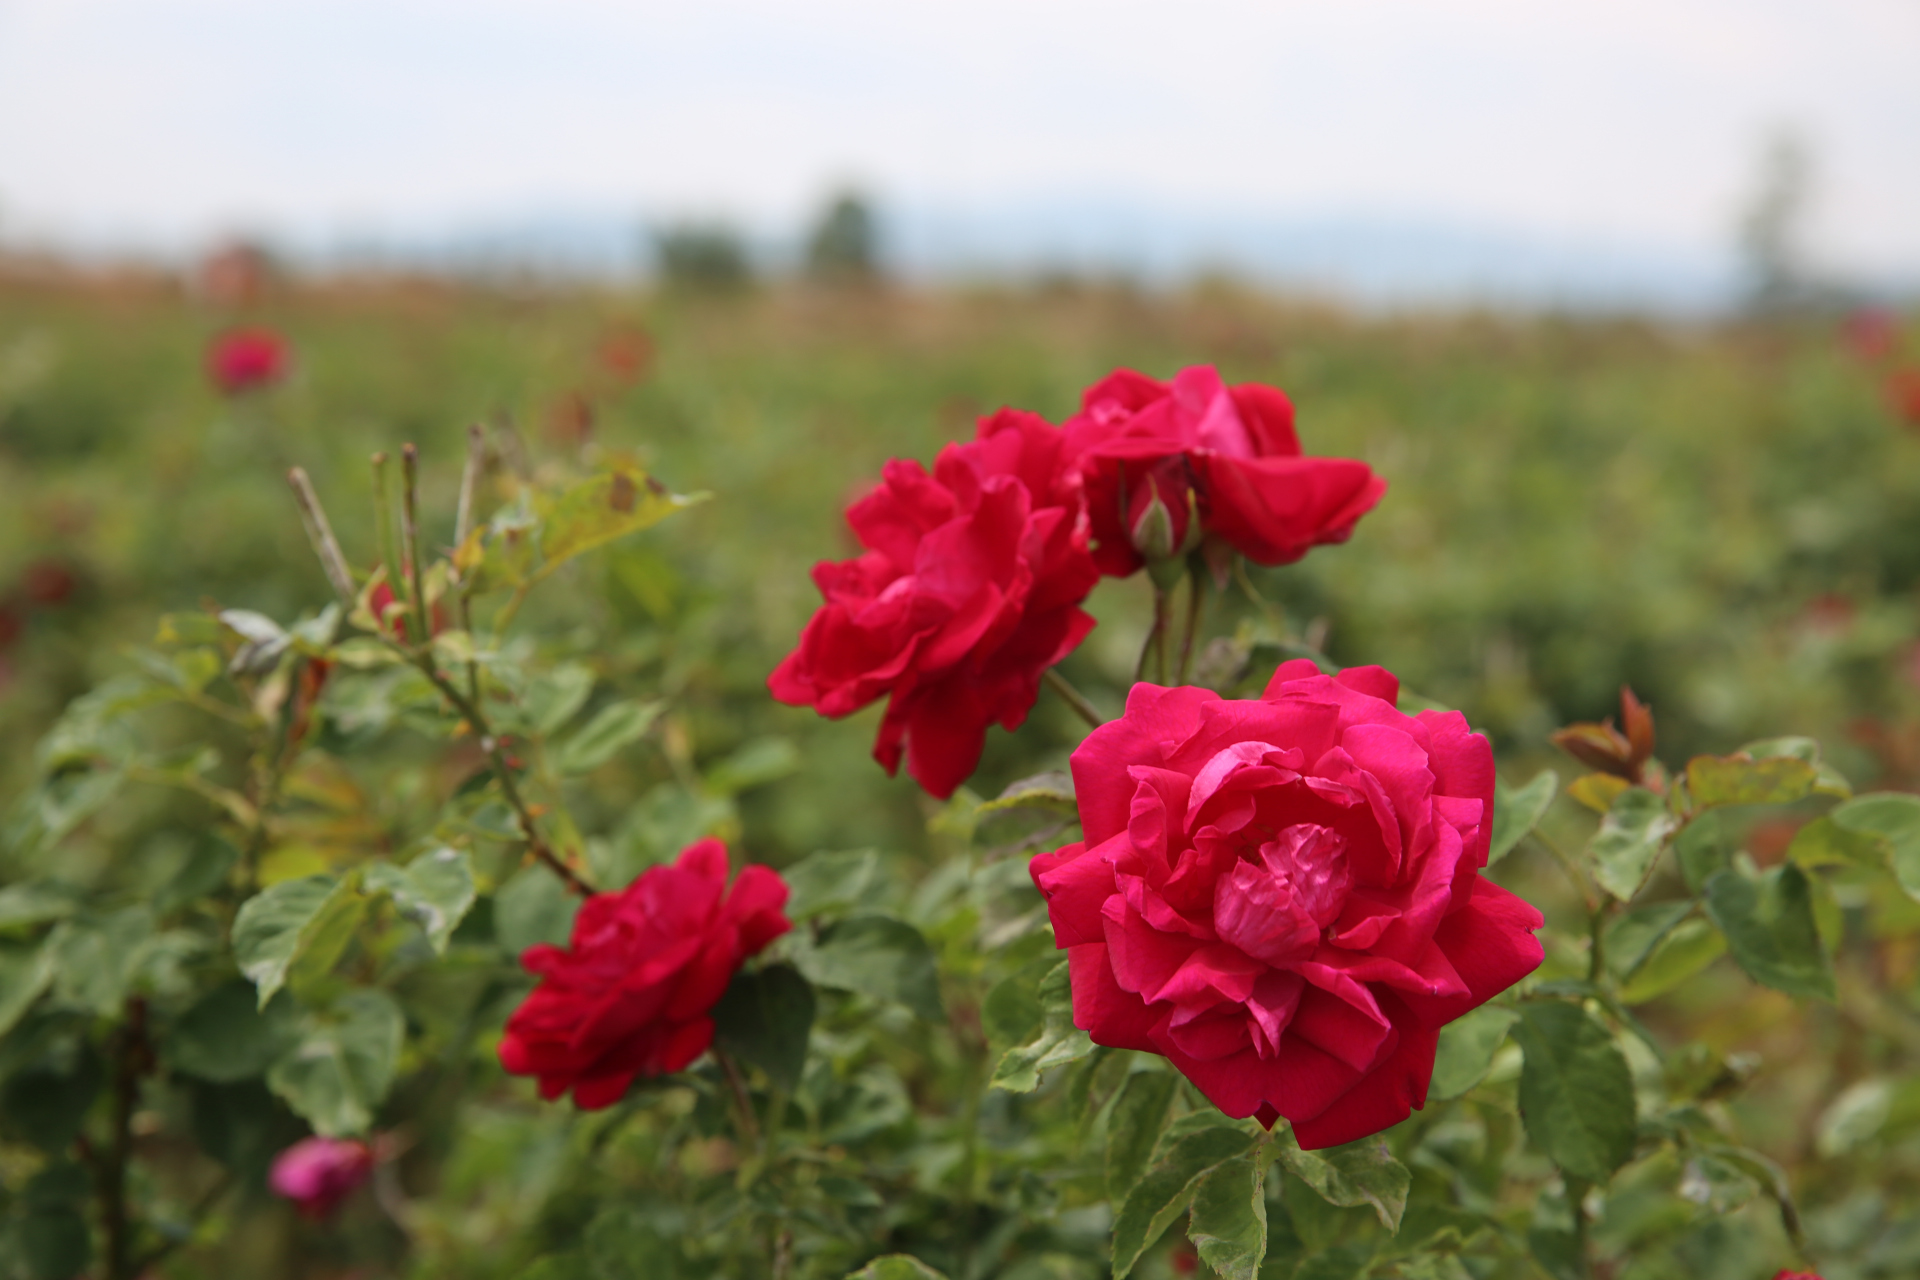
(1073, 697)
(320, 534)
(410, 540)
(469, 708)
(469, 482)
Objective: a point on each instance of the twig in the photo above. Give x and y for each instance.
(1196, 601)
(469, 482)
(743, 1104)
(410, 542)
(1073, 697)
(490, 743)
(320, 534)
(1156, 639)
(132, 1058)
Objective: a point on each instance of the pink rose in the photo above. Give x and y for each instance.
(245, 359)
(318, 1173)
(1283, 895)
(1165, 464)
(632, 995)
(969, 590)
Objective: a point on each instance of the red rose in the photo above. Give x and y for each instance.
(1784, 1274)
(970, 589)
(1155, 455)
(1903, 395)
(630, 996)
(318, 1173)
(1282, 895)
(245, 359)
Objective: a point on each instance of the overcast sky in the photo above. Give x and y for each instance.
(1636, 120)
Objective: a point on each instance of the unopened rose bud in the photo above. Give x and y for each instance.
(317, 1174)
(1153, 531)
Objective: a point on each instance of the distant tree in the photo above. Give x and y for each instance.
(1773, 228)
(702, 256)
(844, 244)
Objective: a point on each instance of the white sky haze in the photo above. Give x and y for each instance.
(157, 121)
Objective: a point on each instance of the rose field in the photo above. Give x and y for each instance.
(810, 781)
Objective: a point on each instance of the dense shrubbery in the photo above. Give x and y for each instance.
(271, 874)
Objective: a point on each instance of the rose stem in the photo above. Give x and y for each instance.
(1162, 624)
(410, 538)
(320, 534)
(1196, 601)
(383, 530)
(743, 1104)
(1072, 696)
(469, 481)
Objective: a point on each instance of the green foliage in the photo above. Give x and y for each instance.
(1575, 1090)
(1769, 925)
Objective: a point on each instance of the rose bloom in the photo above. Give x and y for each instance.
(246, 359)
(1165, 464)
(318, 1173)
(631, 995)
(1903, 395)
(1283, 895)
(969, 590)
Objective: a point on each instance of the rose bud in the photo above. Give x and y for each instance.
(317, 1173)
(969, 590)
(1227, 453)
(630, 996)
(243, 360)
(1283, 895)
(381, 599)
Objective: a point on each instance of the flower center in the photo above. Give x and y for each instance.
(1277, 908)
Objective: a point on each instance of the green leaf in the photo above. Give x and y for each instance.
(1467, 1046)
(1894, 818)
(1825, 843)
(1701, 848)
(46, 1104)
(94, 957)
(756, 764)
(877, 956)
(896, 1266)
(601, 508)
(280, 923)
(226, 1036)
(533, 906)
(1517, 812)
(1854, 1118)
(1056, 1041)
(622, 1244)
(1634, 936)
(764, 1019)
(1827, 780)
(1012, 1013)
(1359, 1173)
(1769, 924)
(1229, 1218)
(1629, 840)
(560, 1266)
(614, 726)
(343, 1064)
(35, 902)
(1167, 1189)
(1691, 946)
(1052, 790)
(435, 891)
(831, 882)
(54, 1242)
(554, 697)
(25, 973)
(1742, 779)
(1133, 1130)
(1576, 1093)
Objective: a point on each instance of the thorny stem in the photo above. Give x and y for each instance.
(410, 540)
(1156, 642)
(743, 1104)
(133, 1057)
(1576, 1201)
(383, 530)
(320, 534)
(1072, 697)
(469, 482)
(1571, 867)
(1196, 601)
(469, 708)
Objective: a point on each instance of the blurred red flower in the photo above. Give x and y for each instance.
(632, 993)
(1903, 395)
(1871, 333)
(1154, 455)
(381, 598)
(317, 1173)
(47, 582)
(626, 353)
(241, 360)
(969, 590)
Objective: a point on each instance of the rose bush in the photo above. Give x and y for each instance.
(1166, 463)
(631, 996)
(969, 590)
(1283, 895)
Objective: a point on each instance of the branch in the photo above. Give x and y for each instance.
(320, 534)
(1073, 697)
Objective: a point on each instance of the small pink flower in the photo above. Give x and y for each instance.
(317, 1174)
(242, 360)
(1871, 333)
